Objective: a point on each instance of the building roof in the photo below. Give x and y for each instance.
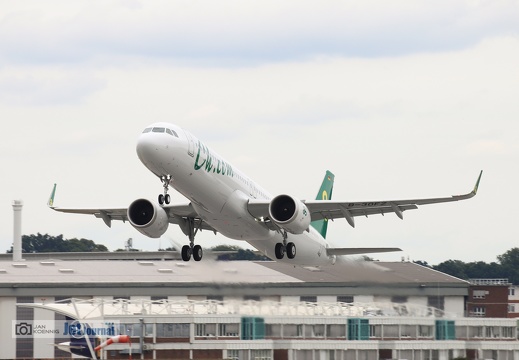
(136, 277)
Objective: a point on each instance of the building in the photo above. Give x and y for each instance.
(490, 298)
(203, 309)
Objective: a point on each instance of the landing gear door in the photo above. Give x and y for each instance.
(190, 144)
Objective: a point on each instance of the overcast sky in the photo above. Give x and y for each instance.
(400, 99)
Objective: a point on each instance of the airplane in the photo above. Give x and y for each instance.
(222, 199)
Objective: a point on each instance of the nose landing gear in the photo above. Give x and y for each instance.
(165, 198)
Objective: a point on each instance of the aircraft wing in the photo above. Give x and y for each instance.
(176, 213)
(330, 209)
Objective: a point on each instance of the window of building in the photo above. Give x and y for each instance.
(206, 330)
(511, 291)
(273, 330)
(507, 332)
(348, 299)
(215, 297)
(228, 329)
(172, 330)
(291, 330)
(233, 354)
(491, 331)
(437, 302)
(312, 299)
(135, 330)
(251, 297)
(479, 311)
(374, 331)
(261, 354)
(158, 299)
(313, 331)
(399, 299)
(336, 331)
(479, 294)
(511, 308)
(424, 331)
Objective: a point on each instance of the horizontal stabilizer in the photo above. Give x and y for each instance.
(357, 251)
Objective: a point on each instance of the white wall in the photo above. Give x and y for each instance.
(7, 314)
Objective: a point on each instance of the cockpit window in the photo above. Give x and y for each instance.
(146, 130)
(171, 132)
(159, 129)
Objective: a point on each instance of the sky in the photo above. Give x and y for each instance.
(400, 99)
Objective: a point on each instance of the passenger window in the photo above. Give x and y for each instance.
(158, 129)
(146, 130)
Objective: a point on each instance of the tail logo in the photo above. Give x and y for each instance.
(324, 195)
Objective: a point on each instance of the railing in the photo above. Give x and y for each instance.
(489, 282)
(103, 307)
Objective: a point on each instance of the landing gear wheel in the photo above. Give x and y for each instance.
(197, 253)
(291, 250)
(280, 251)
(165, 198)
(186, 252)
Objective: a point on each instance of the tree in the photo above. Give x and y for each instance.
(452, 267)
(422, 263)
(45, 243)
(510, 263)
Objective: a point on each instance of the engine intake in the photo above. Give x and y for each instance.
(148, 218)
(290, 214)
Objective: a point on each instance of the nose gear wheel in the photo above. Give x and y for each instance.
(165, 198)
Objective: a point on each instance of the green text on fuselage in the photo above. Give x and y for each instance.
(210, 163)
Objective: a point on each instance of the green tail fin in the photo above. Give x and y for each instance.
(325, 193)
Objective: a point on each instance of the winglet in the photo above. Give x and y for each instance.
(475, 191)
(50, 203)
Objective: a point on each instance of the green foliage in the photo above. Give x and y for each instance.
(240, 254)
(510, 264)
(423, 263)
(45, 243)
(507, 267)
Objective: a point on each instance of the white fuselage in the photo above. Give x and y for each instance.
(219, 192)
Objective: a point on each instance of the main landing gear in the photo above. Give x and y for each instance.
(188, 227)
(165, 198)
(284, 247)
(191, 249)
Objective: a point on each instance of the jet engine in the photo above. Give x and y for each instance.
(290, 214)
(148, 218)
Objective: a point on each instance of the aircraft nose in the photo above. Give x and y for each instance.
(152, 151)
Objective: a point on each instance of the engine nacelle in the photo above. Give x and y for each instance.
(290, 214)
(148, 218)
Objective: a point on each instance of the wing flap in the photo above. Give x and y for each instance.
(176, 213)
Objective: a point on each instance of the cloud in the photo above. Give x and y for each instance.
(46, 87)
(233, 32)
